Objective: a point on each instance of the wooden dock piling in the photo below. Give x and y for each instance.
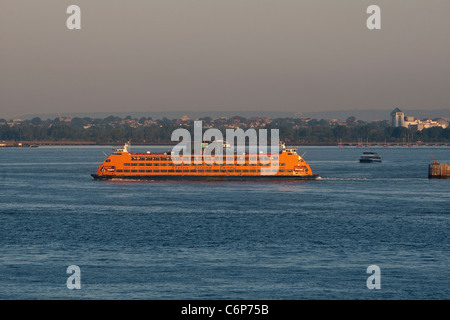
(438, 170)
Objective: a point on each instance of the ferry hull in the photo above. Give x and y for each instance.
(203, 178)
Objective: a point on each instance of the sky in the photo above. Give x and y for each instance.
(223, 55)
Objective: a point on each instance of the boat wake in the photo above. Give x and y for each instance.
(343, 179)
(370, 179)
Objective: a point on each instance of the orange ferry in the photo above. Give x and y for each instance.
(123, 165)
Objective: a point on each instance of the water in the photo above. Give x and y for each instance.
(225, 240)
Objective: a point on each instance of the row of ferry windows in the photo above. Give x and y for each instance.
(221, 170)
(193, 158)
(149, 164)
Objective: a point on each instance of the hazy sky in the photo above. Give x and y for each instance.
(200, 55)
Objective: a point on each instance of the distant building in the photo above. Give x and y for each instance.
(425, 124)
(398, 119)
(444, 123)
(64, 119)
(14, 122)
(337, 122)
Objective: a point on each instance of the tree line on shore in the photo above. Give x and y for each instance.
(145, 130)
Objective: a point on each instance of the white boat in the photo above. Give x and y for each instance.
(369, 157)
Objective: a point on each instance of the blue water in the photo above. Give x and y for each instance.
(225, 240)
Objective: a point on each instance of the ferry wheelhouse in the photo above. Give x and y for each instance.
(123, 165)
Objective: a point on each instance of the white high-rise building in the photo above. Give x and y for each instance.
(397, 118)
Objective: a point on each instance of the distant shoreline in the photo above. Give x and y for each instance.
(365, 114)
